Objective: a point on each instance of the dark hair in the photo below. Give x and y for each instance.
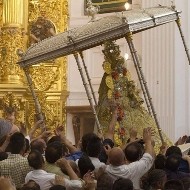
(35, 159)
(123, 184)
(31, 185)
(173, 150)
(85, 165)
(57, 187)
(85, 139)
(27, 145)
(37, 145)
(54, 139)
(53, 152)
(174, 184)
(156, 176)
(3, 156)
(173, 162)
(133, 152)
(104, 182)
(17, 143)
(94, 147)
(160, 161)
(58, 139)
(10, 110)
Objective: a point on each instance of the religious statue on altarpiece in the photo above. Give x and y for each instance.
(41, 29)
(117, 86)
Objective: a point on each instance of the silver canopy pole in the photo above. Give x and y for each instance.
(87, 92)
(140, 80)
(39, 115)
(88, 77)
(129, 39)
(178, 21)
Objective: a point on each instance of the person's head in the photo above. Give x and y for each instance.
(3, 156)
(160, 161)
(94, 147)
(27, 145)
(104, 182)
(116, 156)
(10, 114)
(123, 184)
(173, 150)
(174, 184)
(173, 162)
(53, 152)
(57, 187)
(85, 165)
(133, 152)
(38, 144)
(157, 178)
(35, 160)
(31, 185)
(85, 139)
(17, 144)
(58, 139)
(54, 139)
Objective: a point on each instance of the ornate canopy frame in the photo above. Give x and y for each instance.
(96, 32)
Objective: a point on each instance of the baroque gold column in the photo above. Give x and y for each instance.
(12, 39)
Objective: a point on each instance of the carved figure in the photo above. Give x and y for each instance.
(41, 29)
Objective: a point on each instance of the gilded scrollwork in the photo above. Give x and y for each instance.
(11, 100)
(44, 76)
(49, 78)
(12, 39)
(52, 110)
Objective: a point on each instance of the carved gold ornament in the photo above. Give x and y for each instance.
(43, 77)
(12, 40)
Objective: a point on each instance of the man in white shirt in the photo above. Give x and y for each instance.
(47, 180)
(93, 150)
(137, 165)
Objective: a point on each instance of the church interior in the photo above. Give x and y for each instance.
(58, 83)
(71, 63)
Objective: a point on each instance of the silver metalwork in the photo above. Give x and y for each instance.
(92, 10)
(88, 77)
(38, 111)
(140, 80)
(97, 32)
(87, 92)
(137, 63)
(183, 39)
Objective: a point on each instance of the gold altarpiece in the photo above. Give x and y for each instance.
(50, 80)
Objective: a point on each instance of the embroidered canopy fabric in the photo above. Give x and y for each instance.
(95, 33)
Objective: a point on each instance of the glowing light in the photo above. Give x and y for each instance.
(127, 6)
(126, 56)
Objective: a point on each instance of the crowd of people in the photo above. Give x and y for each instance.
(50, 161)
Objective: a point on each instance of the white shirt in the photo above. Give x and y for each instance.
(96, 162)
(47, 180)
(41, 177)
(134, 171)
